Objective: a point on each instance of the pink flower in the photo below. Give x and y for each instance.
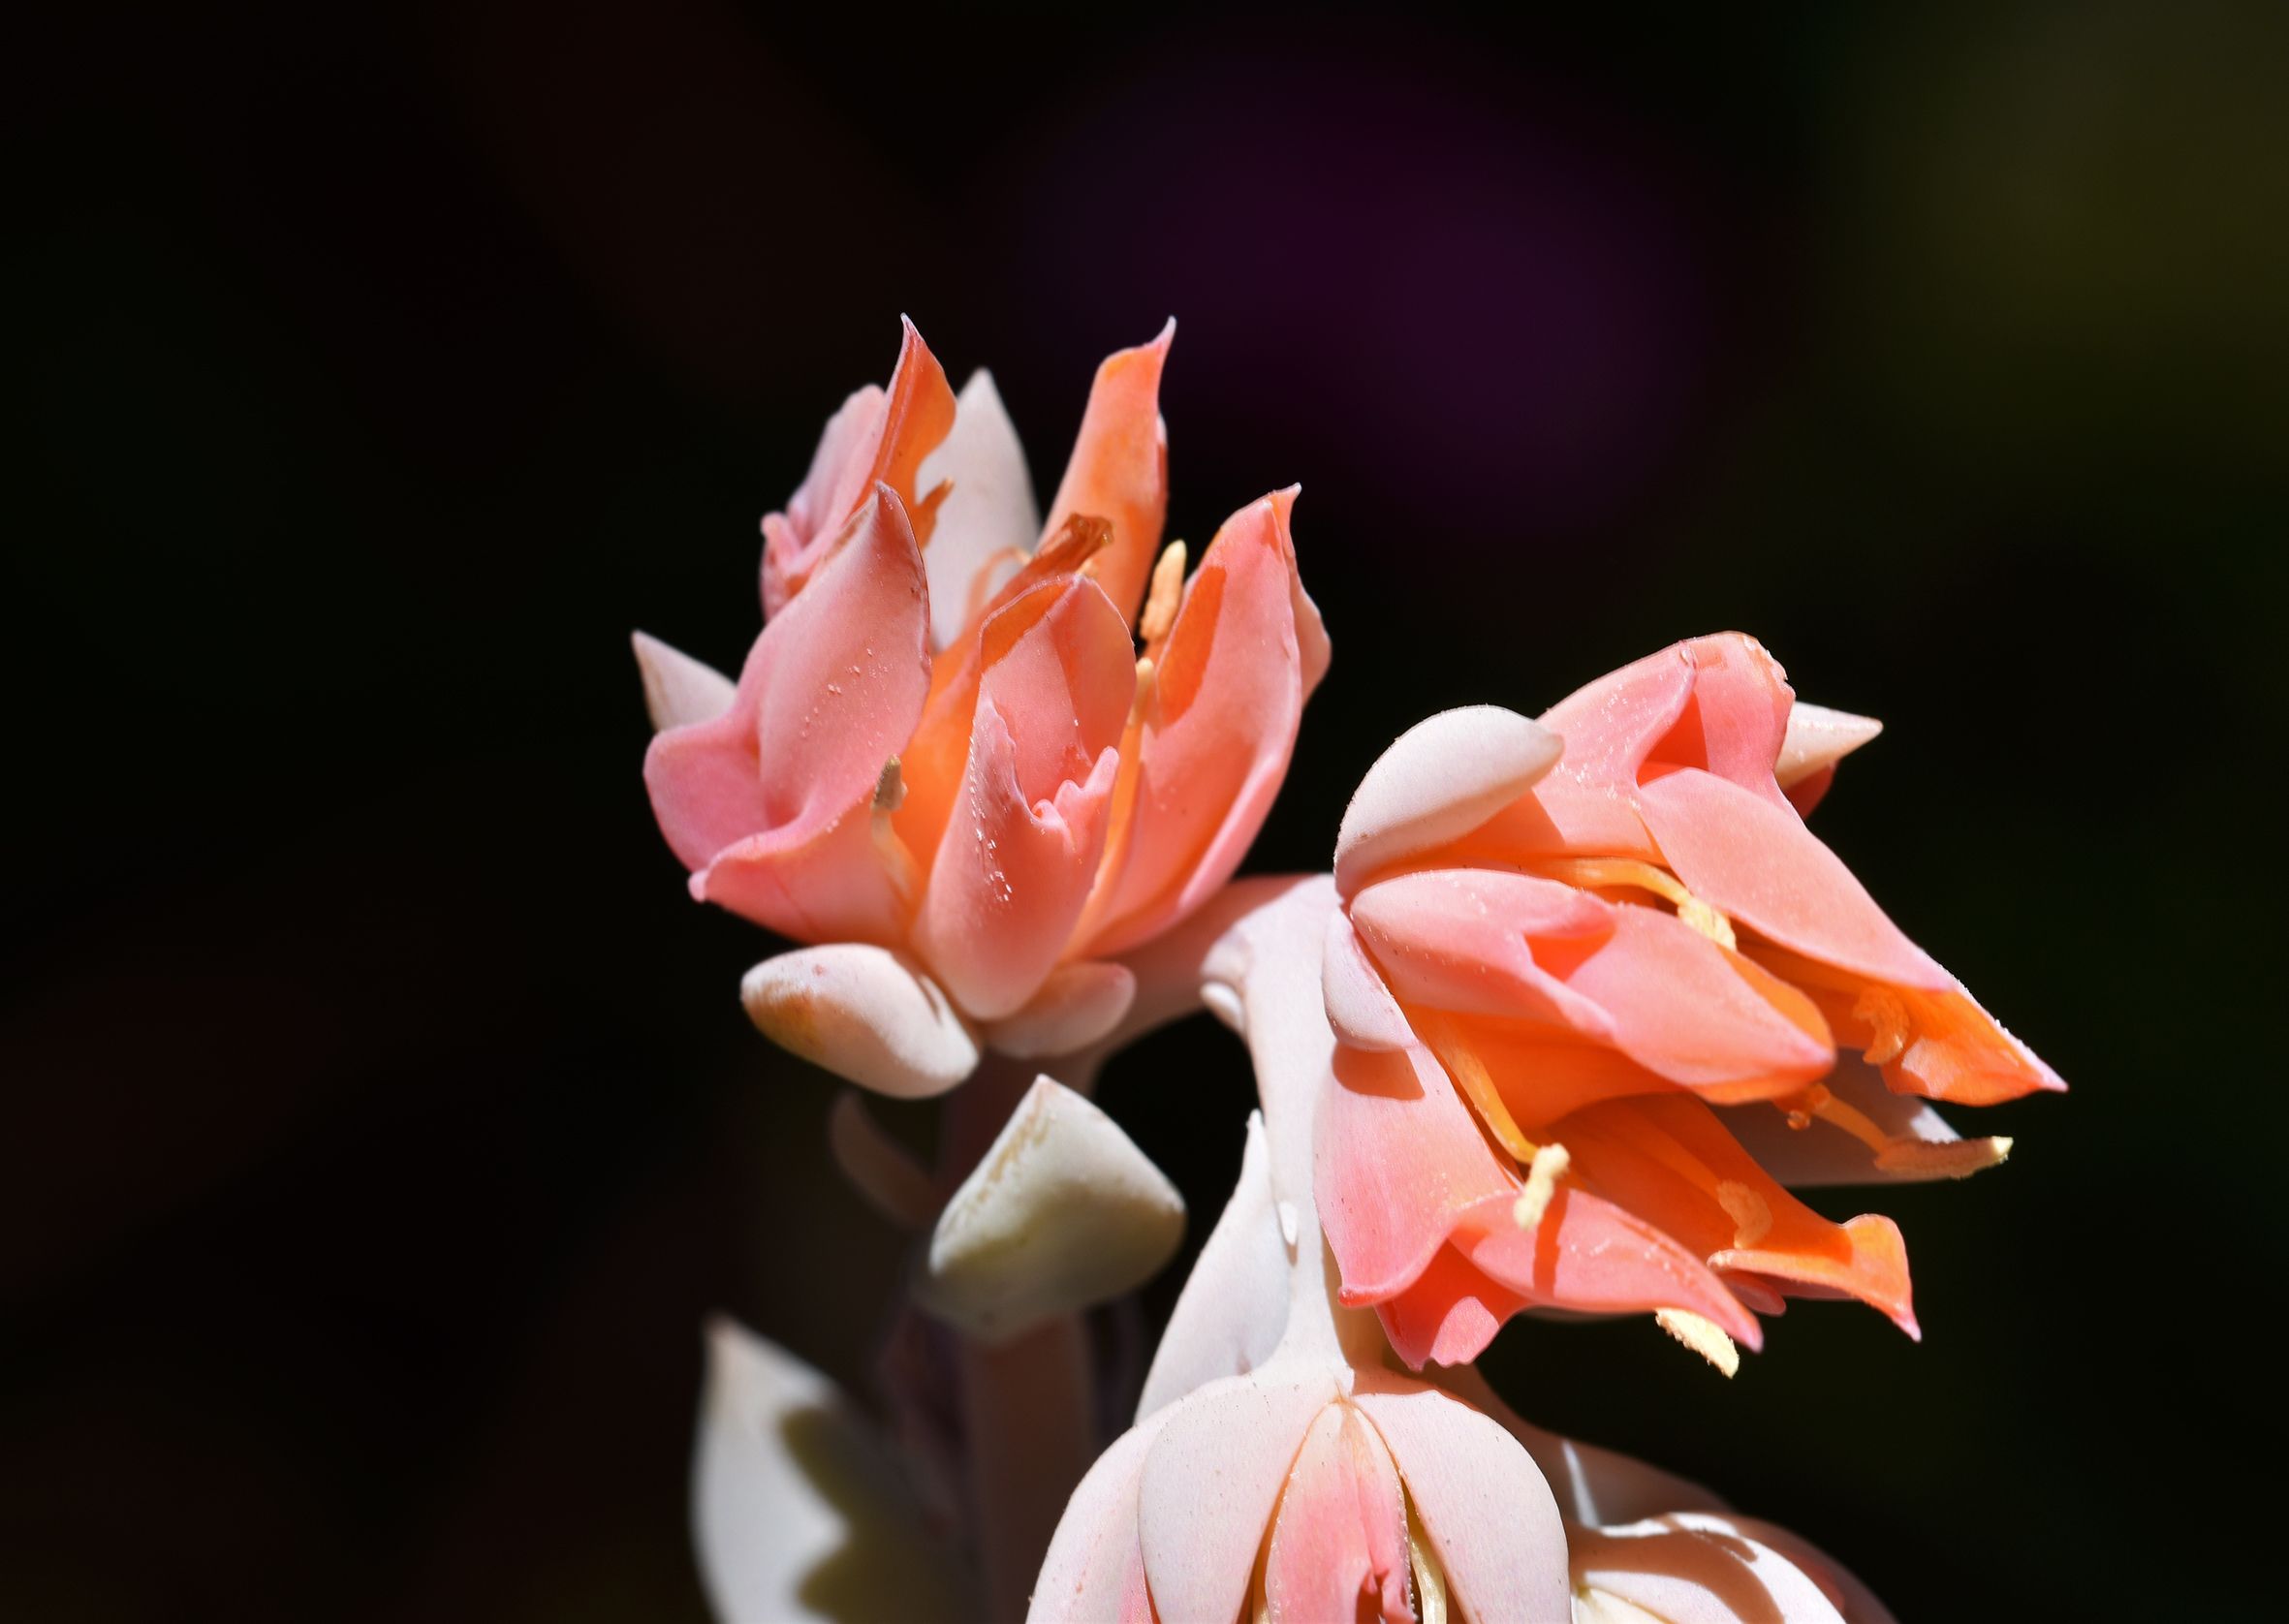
(1591, 1009)
(1315, 1485)
(945, 761)
(1305, 1494)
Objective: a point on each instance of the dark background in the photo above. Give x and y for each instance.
(381, 1120)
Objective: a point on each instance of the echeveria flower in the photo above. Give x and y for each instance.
(1574, 994)
(1279, 1471)
(945, 762)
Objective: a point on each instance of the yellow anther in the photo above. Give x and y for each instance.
(1751, 1214)
(1143, 698)
(1708, 921)
(897, 863)
(890, 789)
(1703, 1336)
(1542, 1172)
(1943, 1158)
(1166, 593)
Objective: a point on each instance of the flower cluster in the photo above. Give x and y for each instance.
(1580, 1001)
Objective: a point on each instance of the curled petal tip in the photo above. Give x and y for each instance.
(1064, 1212)
(866, 1014)
(1438, 781)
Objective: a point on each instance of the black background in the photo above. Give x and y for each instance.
(380, 1118)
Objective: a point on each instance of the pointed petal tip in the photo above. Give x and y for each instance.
(1817, 739)
(677, 689)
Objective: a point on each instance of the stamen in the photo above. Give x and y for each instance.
(1887, 1011)
(1608, 873)
(1851, 1118)
(1166, 593)
(1471, 1076)
(1542, 1172)
(1899, 1154)
(1146, 673)
(1703, 1336)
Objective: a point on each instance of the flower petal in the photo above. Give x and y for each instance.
(1234, 1303)
(1693, 1568)
(1592, 1256)
(795, 542)
(1490, 1515)
(1449, 1315)
(1669, 1161)
(1094, 1572)
(1717, 705)
(1592, 1485)
(768, 802)
(1753, 859)
(879, 437)
(1610, 724)
(1936, 1043)
(1119, 470)
(1360, 1006)
(799, 1511)
(1210, 1482)
(1340, 1535)
(864, 1012)
(1689, 1009)
(1063, 1212)
(987, 521)
(1016, 860)
(1440, 779)
(1844, 1589)
(1076, 1007)
(1400, 1161)
(1216, 731)
(1464, 939)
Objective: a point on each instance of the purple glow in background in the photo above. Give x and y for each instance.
(384, 1123)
